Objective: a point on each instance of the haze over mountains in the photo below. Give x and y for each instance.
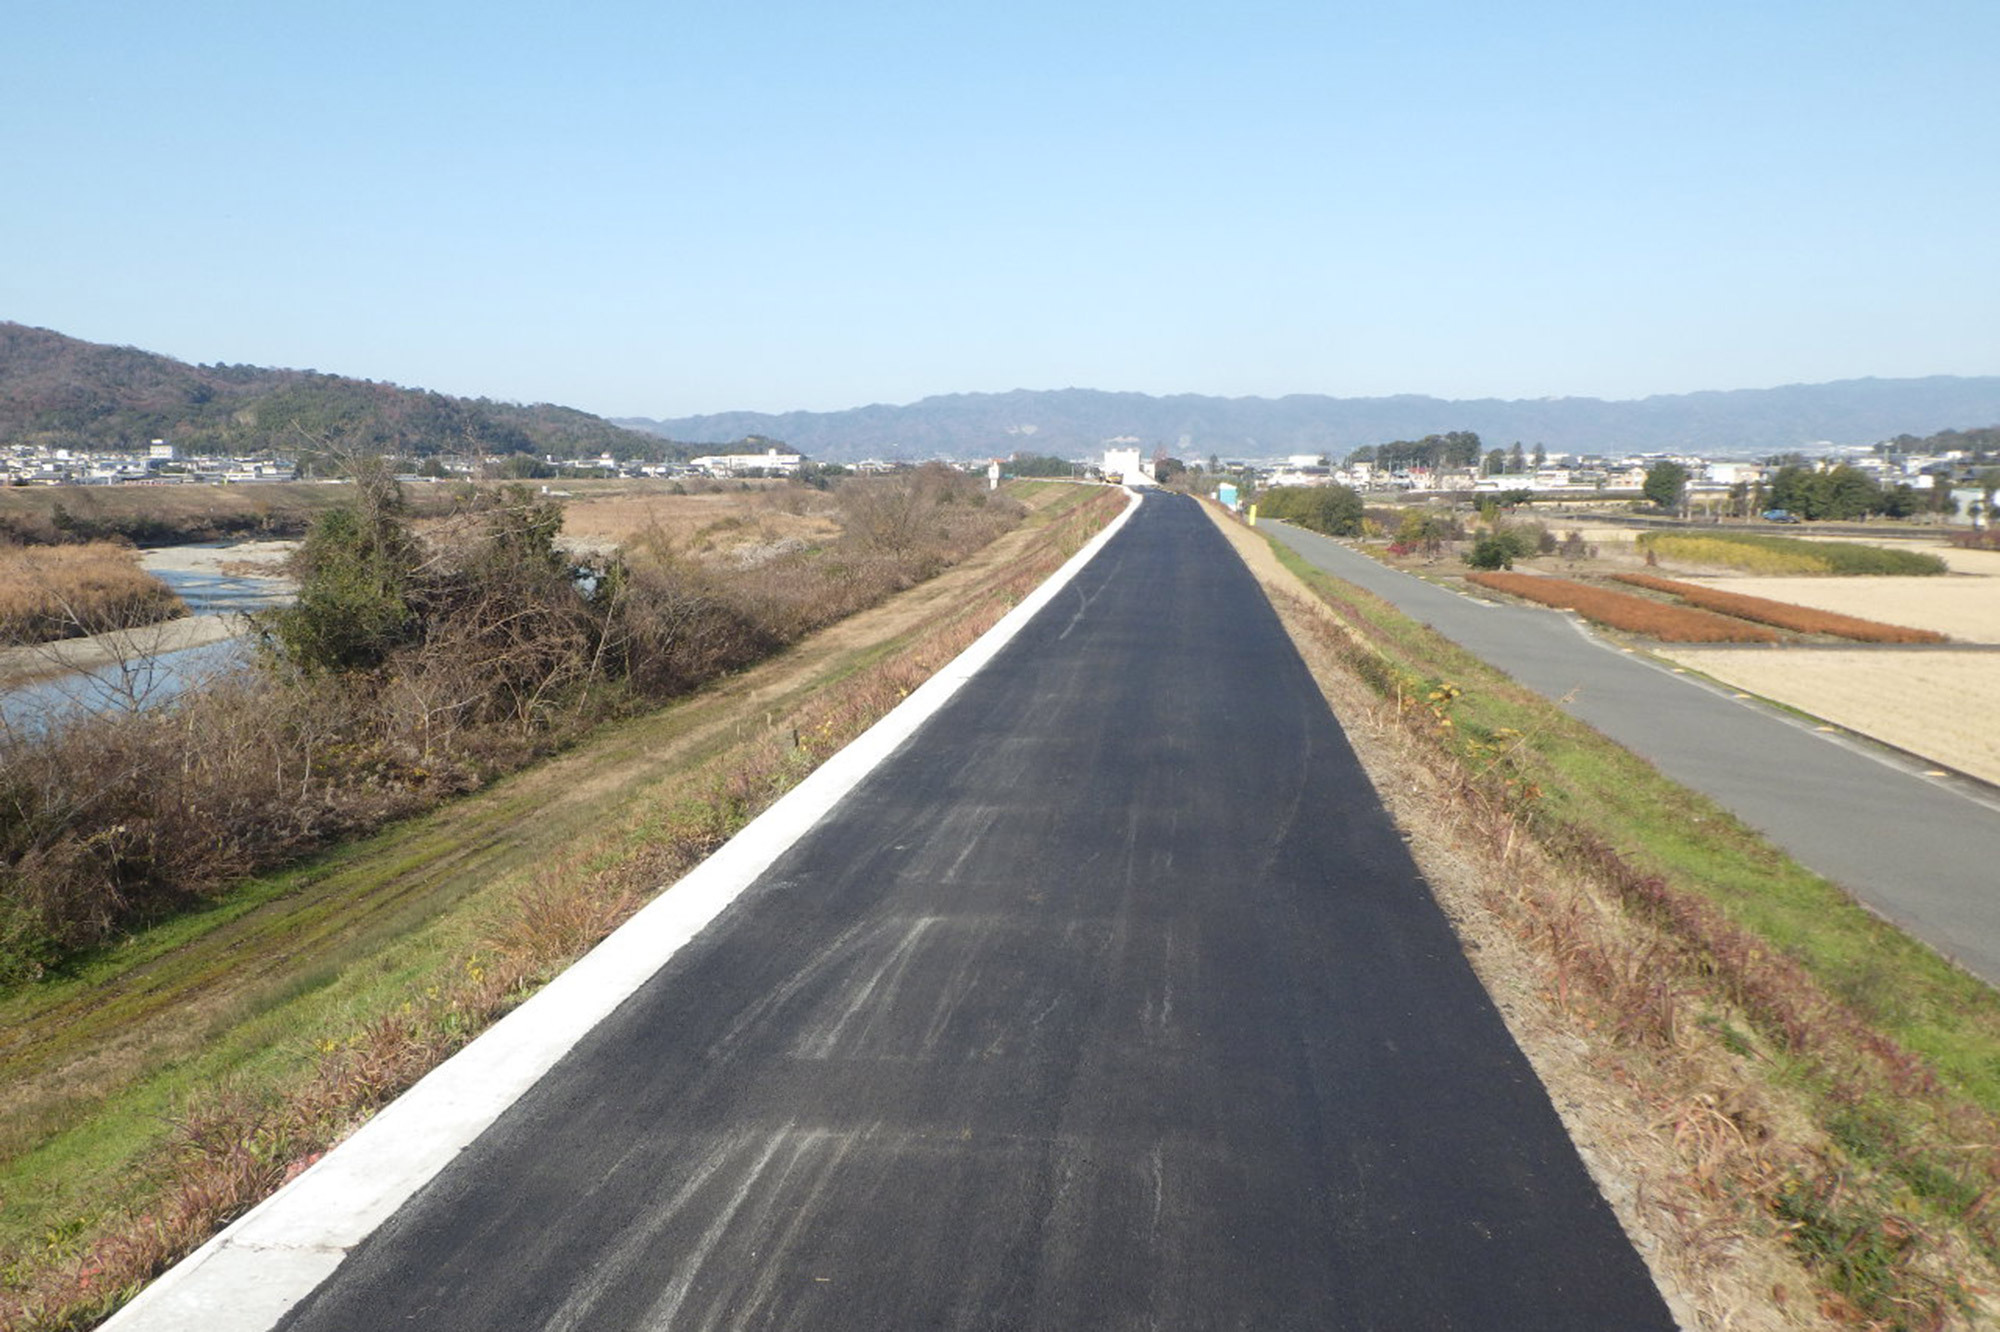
(1070, 422)
(62, 391)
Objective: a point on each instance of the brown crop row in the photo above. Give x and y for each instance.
(1621, 610)
(1803, 619)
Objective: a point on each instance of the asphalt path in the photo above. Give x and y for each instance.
(1920, 850)
(1112, 999)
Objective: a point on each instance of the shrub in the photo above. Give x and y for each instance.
(1499, 547)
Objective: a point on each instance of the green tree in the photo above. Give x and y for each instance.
(1846, 492)
(1334, 510)
(1040, 464)
(355, 572)
(1665, 484)
(523, 467)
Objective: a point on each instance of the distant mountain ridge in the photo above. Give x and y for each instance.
(65, 392)
(1073, 422)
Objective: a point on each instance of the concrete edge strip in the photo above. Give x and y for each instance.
(251, 1274)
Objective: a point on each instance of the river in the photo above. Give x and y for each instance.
(216, 600)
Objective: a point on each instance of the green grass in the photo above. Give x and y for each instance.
(1776, 555)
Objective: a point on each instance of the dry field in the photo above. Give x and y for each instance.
(1914, 699)
(727, 525)
(1964, 609)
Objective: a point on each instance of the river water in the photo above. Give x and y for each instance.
(149, 679)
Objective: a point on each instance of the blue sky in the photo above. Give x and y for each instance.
(668, 208)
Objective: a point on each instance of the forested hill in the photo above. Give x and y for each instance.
(65, 392)
(1073, 422)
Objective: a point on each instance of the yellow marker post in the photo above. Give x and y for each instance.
(1253, 515)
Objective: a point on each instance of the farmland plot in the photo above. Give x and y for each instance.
(1914, 699)
(1966, 610)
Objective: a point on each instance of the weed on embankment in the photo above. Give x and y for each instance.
(1815, 1080)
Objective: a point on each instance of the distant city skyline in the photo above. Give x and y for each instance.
(665, 211)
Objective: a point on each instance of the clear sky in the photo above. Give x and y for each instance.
(667, 208)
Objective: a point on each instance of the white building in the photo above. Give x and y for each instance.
(1126, 465)
(771, 462)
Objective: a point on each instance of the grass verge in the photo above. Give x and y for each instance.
(161, 1088)
(1812, 1084)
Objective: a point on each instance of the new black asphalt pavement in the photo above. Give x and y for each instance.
(1923, 851)
(1112, 1000)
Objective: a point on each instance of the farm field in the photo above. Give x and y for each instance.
(1903, 697)
(1964, 609)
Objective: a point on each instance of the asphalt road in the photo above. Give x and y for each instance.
(1923, 851)
(1111, 1000)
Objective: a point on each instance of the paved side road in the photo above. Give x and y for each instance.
(1111, 1000)
(1925, 852)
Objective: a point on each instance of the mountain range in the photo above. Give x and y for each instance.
(64, 392)
(1075, 422)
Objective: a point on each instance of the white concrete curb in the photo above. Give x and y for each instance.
(251, 1274)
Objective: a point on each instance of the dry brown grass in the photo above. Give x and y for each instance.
(720, 524)
(55, 592)
(1802, 619)
(1669, 624)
